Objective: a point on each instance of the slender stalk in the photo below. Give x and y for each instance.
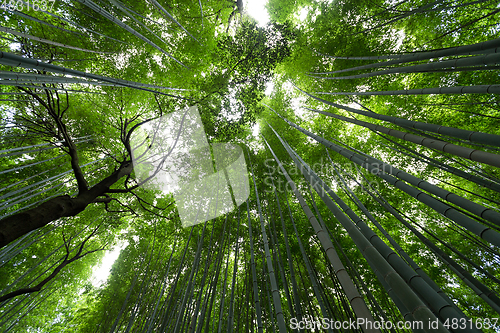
(468, 153)
(355, 299)
(488, 295)
(50, 42)
(488, 59)
(258, 311)
(395, 245)
(113, 19)
(270, 269)
(485, 233)
(473, 136)
(13, 60)
(491, 46)
(164, 12)
(406, 294)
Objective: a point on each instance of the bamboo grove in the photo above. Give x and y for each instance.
(371, 134)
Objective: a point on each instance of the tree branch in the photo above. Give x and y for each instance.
(107, 200)
(72, 151)
(57, 270)
(140, 200)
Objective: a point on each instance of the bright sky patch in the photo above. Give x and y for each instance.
(101, 274)
(257, 10)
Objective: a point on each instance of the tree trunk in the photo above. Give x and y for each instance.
(479, 288)
(480, 230)
(468, 153)
(13, 60)
(230, 321)
(443, 166)
(15, 226)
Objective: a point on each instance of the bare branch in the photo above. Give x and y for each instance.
(66, 244)
(67, 102)
(107, 200)
(147, 203)
(159, 106)
(72, 151)
(56, 271)
(140, 200)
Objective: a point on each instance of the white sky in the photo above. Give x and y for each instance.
(256, 130)
(303, 14)
(257, 10)
(101, 273)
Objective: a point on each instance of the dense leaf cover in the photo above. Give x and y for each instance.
(403, 214)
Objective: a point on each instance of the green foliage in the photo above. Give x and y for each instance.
(165, 272)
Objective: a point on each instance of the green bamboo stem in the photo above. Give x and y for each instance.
(30, 165)
(310, 272)
(355, 299)
(113, 19)
(468, 153)
(398, 248)
(491, 46)
(50, 42)
(258, 311)
(443, 166)
(473, 136)
(479, 288)
(13, 60)
(400, 17)
(437, 303)
(275, 293)
(164, 12)
(484, 232)
(230, 322)
(358, 280)
(488, 59)
(411, 301)
(280, 258)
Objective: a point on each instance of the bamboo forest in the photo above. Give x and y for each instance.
(367, 137)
